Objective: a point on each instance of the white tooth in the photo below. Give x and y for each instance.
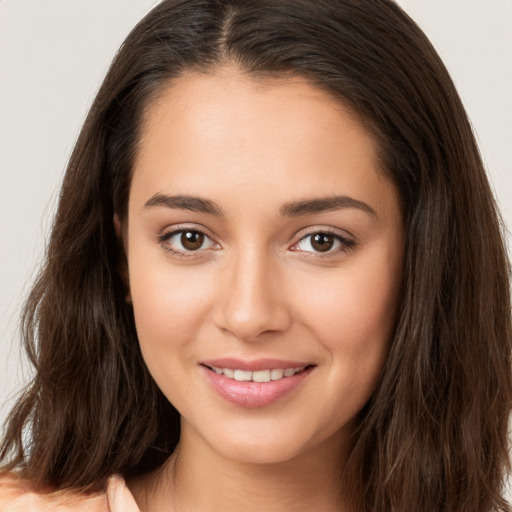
(228, 372)
(289, 372)
(297, 370)
(261, 376)
(242, 375)
(217, 370)
(276, 374)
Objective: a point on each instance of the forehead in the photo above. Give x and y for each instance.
(227, 98)
(207, 134)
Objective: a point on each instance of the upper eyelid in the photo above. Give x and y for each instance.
(166, 232)
(165, 236)
(312, 230)
(343, 240)
(298, 236)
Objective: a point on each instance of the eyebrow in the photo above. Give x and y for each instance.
(182, 202)
(324, 204)
(291, 209)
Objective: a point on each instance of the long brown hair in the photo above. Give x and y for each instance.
(433, 437)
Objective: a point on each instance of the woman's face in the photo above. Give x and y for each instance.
(264, 251)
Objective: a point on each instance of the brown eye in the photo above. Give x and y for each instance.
(322, 242)
(187, 242)
(192, 240)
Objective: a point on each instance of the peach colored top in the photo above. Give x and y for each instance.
(16, 495)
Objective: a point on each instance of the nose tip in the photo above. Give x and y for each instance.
(248, 324)
(252, 306)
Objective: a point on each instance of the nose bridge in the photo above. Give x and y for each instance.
(252, 304)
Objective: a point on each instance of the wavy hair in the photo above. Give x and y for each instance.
(433, 437)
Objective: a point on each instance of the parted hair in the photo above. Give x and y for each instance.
(434, 435)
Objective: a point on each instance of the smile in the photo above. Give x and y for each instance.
(258, 375)
(254, 384)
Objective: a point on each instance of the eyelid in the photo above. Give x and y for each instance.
(347, 242)
(176, 228)
(346, 239)
(312, 230)
(171, 231)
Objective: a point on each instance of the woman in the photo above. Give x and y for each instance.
(275, 280)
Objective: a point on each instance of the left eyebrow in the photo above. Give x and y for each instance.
(324, 204)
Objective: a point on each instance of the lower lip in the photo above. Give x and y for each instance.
(254, 394)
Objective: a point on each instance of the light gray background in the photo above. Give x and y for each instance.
(54, 54)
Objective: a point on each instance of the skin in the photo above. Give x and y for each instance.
(257, 287)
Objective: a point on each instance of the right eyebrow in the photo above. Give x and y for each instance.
(183, 202)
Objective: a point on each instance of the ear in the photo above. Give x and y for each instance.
(122, 263)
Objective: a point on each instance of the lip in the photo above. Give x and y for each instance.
(251, 394)
(254, 365)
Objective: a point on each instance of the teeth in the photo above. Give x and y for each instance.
(243, 375)
(276, 374)
(261, 376)
(257, 376)
(228, 372)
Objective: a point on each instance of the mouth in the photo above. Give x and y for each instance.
(257, 375)
(255, 384)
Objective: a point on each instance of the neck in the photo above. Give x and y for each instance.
(196, 478)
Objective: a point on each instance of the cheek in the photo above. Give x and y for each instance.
(353, 307)
(352, 313)
(168, 304)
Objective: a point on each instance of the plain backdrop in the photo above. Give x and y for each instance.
(54, 54)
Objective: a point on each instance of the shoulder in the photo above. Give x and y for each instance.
(18, 495)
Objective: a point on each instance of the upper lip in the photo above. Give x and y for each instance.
(253, 365)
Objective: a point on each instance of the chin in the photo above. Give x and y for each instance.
(262, 446)
(265, 453)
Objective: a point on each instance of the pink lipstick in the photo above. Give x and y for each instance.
(256, 383)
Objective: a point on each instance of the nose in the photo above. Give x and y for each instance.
(253, 302)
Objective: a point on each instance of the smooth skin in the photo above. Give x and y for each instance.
(247, 274)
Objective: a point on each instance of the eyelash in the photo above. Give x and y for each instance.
(346, 244)
(165, 237)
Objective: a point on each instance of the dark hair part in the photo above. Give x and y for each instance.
(434, 434)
